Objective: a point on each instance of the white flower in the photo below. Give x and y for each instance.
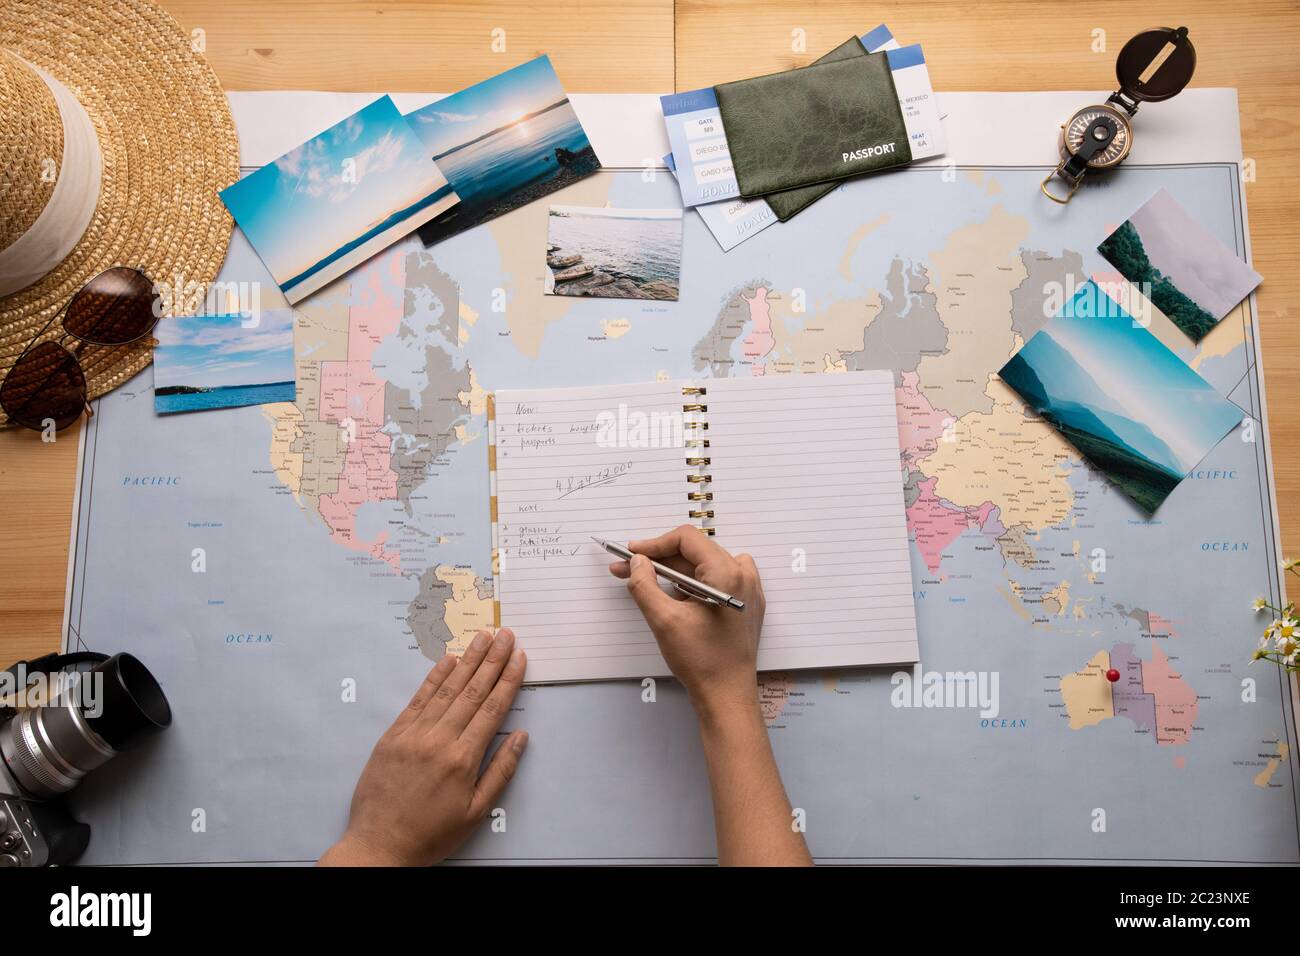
(1287, 642)
(1263, 641)
(1259, 604)
(1289, 563)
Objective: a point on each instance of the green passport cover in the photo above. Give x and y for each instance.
(817, 124)
(788, 202)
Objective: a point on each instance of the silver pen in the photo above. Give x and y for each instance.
(683, 582)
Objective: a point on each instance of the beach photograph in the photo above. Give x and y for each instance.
(213, 361)
(1189, 275)
(339, 198)
(502, 143)
(1129, 405)
(614, 253)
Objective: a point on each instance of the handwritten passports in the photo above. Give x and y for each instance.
(821, 123)
(799, 471)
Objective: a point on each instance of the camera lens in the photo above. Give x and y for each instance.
(133, 703)
(49, 749)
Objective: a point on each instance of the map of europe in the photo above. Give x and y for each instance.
(1033, 577)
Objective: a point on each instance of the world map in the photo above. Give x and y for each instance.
(974, 464)
(1033, 576)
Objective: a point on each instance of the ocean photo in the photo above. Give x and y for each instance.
(1129, 405)
(1189, 275)
(339, 198)
(502, 143)
(223, 361)
(614, 253)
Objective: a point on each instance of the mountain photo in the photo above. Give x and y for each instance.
(1130, 406)
(1187, 273)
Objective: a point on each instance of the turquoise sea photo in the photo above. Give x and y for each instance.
(1129, 405)
(339, 198)
(223, 361)
(502, 143)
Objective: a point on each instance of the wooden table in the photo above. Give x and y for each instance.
(661, 45)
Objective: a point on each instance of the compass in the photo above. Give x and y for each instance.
(1155, 65)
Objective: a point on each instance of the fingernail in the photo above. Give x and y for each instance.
(480, 641)
(505, 637)
(518, 741)
(517, 658)
(638, 560)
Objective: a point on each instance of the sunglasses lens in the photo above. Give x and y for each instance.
(115, 307)
(47, 384)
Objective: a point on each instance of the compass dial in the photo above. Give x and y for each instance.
(1115, 150)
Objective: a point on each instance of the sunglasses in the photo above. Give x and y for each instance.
(47, 383)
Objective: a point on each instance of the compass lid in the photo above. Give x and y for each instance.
(1156, 64)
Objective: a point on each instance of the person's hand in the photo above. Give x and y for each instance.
(712, 650)
(420, 795)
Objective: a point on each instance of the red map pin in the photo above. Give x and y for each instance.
(1112, 675)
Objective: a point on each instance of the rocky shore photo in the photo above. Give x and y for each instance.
(614, 253)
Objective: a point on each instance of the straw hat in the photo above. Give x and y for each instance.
(115, 138)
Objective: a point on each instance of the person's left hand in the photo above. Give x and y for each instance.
(420, 795)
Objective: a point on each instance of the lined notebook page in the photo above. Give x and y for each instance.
(565, 472)
(805, 476)
(806, 479)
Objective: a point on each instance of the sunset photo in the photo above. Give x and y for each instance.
(503, 143)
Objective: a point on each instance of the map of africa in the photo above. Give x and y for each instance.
(345, 539)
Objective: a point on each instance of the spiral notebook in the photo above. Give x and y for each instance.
(799, 471)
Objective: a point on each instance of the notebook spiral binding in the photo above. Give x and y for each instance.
(701, 515)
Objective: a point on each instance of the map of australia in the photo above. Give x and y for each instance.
(1149, 693)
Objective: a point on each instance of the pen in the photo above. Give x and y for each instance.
(683, 582)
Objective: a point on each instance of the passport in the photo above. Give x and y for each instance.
(788, 202)
(818, 124)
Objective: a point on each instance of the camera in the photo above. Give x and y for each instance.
(86, 718)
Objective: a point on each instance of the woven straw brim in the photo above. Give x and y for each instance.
(168, 144)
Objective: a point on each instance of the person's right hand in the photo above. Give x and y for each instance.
(712, 650)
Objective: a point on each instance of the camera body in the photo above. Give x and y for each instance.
(83, 719)
(36, 832)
